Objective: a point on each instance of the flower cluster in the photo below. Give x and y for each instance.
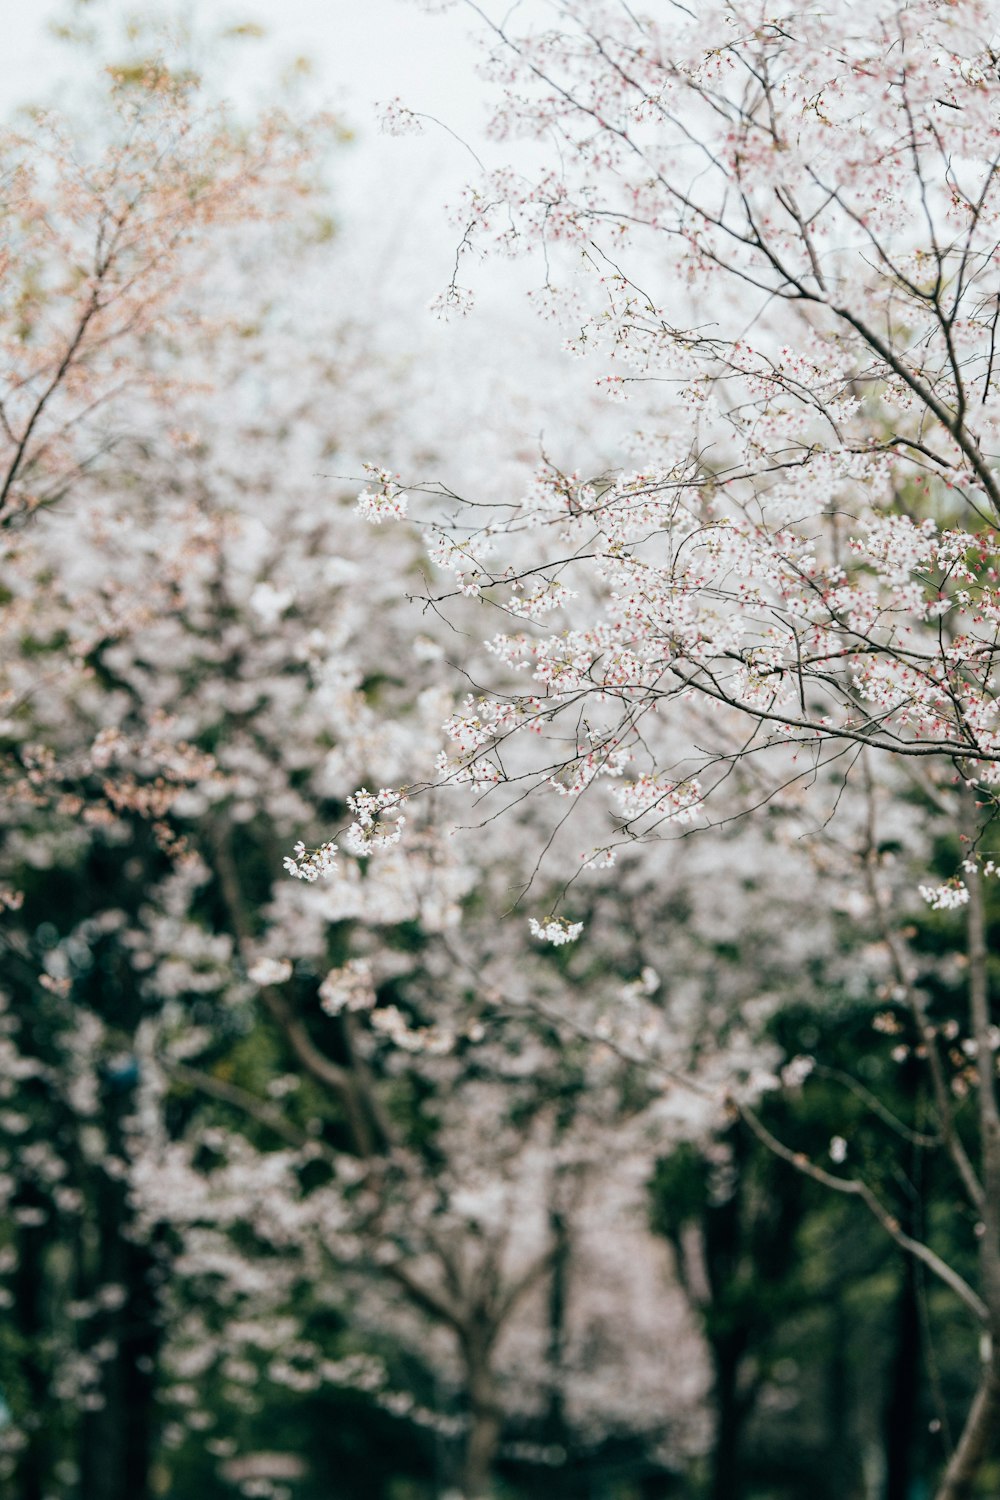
(396, 119)
(386, 501)
(390, 1021)
(555, 930)
(267, 971)
(312, 863)
(947, 897)
(666, 800)
(379, 820)
(348, 988)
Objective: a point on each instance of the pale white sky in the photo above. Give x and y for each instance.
(372, 48)
(365, 52)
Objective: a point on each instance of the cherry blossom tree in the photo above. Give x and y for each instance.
(194, 677)
(773, 231)
(265, 1134)
(108, 238)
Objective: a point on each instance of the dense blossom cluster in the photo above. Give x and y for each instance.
(274, 1107)
(773, 556)
(772, 231)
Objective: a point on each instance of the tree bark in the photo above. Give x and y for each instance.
(555, 1417)
(483, 1437)
(480, 1452)
(730, 1413)
(983, 1422)
(902, 1403)
(140, 1347)
(29, 1293)
(904, 1389)
(977, 1437)
(840, 1476)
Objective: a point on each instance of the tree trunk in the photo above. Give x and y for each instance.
(116, 1441)
(483, 1438)
(978, 1435)
(730, 1412)
(904, 1386)
(140, 1345)
(480, 1452)
(101, 1430)
(902, 1402)
(29, 1293)
(555, 1417)
(983, 1421)
(841, 1465)
(728, 1235)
